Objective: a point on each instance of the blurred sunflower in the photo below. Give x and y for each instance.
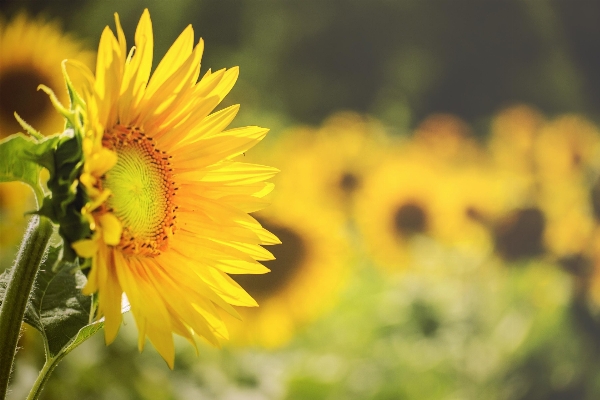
(512, 143)
(566, 149)
(520, 229)
(476, 195)
(446, 139)
(31, 52)
(168, 203)
(570, 218)
(405, 197)
(329, 163)
(306, 276)
(566, 154)
(16, 199)
(310, 264)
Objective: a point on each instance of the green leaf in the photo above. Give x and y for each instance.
(57, 308)
(68, 197)
(16, 165)
(84, 334)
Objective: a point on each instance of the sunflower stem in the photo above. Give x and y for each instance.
(44, 375)
(17, 293)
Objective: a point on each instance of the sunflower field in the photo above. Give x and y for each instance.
(421, 221)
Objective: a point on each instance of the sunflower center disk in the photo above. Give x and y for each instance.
(410, 219)
(142, 191)
(291, 258)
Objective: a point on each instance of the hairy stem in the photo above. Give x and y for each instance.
(44, 375)
(17, 293)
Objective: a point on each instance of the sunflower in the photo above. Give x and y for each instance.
(566, 149)
(306, 276)
(30, 54)
(327, 164)
(570, 217)
(476, 196)
(15, 200)
(402, 199)
(512, 142)
(446, 139)
(169, 202)
(311, 263)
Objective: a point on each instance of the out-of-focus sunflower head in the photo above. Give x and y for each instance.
(417, 193)
(402, 199)
(513, 133)
(348, 146)
(31, 52)
(16, 199)
(567, 148)
(570, 216)
(329, 163)
(446, 138)
(475, 197)
(308, 271)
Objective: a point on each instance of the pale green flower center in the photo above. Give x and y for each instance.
(142, 191)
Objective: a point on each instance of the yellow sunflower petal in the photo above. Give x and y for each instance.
(107, 69)
(177, 54)
(111, 229)
(86, 248)
(110, 303)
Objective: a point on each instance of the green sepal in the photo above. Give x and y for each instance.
(22, 159)
(75, 99)
(68, 197)
(28, 128)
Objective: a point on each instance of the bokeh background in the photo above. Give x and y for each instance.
(439, 200)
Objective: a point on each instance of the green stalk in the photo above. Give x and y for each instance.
(44, 375)
(17, 293)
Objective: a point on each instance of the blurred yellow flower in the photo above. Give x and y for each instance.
(476, 195)
(403, 198)
(30, 54)
(169, 204)
(512, 143)
(16, 199)
(570, 219)
(567, 154)
(312, 260)
(446, 139)
(305, 279)
(329, 163)
(566, 148)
